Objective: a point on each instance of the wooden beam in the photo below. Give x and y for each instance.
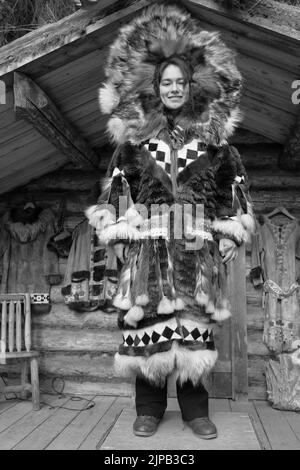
(33, 105)
(269, 14)
(76, 27)
(247, 38)
(290, 158)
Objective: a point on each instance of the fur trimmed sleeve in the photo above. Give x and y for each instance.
(235, 218)
(114, 217)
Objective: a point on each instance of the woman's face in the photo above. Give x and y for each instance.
(173, 87)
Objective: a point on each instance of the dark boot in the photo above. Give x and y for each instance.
(203, 428)
(145, 425)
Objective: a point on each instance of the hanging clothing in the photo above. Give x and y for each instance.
(91, 273)
(280, 247)
(26, 265)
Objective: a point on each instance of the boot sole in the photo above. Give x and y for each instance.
(143, 434)
(209, 436)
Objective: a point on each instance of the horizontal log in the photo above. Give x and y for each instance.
(264, 201)
(260, 156)
(61, 316)
(79, 365)
(243, 136)
(75, 201)
(75, 339)
(277, 181)
(66, 180)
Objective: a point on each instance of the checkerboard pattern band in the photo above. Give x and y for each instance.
(186, 155)
(40, 298)
(166, 335)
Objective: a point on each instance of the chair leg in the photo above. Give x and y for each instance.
(24, 379)
(35, 389)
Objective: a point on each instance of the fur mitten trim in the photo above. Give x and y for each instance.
(99, 218)
(230, 228)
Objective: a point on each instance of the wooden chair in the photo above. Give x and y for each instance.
(15, 344)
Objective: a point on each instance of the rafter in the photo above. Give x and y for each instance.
(33, 105)
(84, 23)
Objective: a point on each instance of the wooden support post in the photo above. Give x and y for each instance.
(35, 388)
(33, 105)
(237, 296)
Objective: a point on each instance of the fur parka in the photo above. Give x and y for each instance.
(172, 284)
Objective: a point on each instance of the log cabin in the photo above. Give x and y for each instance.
(54, 148)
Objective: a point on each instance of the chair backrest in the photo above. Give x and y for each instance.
(15, 323)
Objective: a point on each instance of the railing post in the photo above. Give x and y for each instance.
(27, 330)
(3, 326)
(11, 326)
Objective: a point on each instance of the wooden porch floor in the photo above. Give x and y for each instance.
(61, 423)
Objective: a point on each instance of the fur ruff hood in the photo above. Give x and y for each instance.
(129, 94)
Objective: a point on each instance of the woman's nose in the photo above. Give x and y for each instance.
(174, 86)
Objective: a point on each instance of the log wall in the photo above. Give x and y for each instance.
(79, 347)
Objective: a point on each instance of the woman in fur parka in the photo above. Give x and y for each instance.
(172, 93)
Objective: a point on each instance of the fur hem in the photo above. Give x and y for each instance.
(187, 364)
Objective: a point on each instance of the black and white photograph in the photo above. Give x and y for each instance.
(150, 228)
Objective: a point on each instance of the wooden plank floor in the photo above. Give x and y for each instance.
(85, 422)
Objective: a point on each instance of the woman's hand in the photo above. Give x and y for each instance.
(228, 250)
(121, 251)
